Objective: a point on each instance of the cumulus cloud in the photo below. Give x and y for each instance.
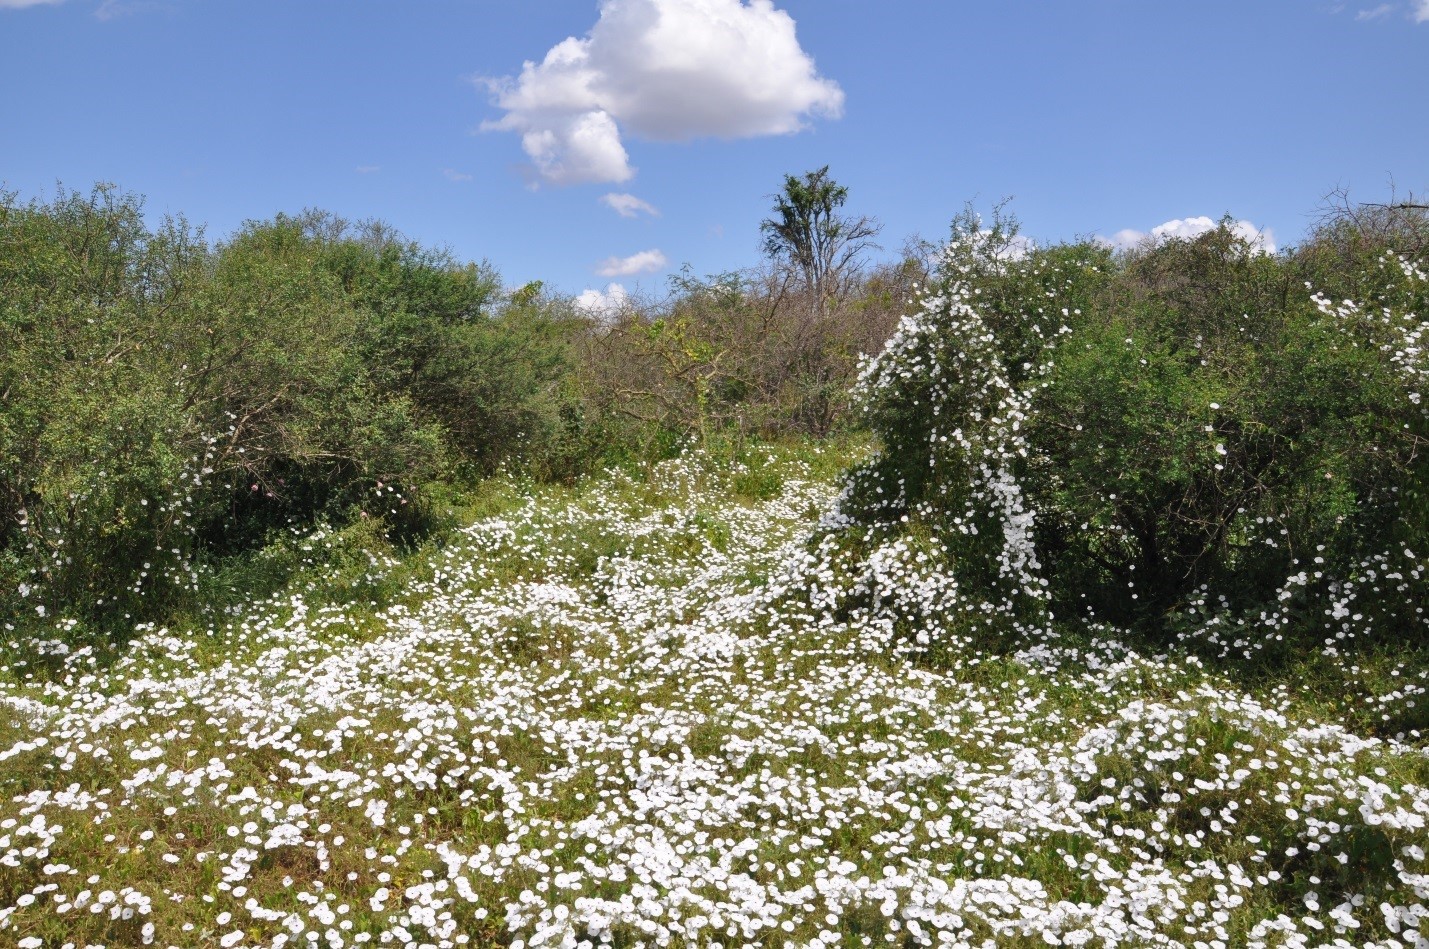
(451, 174)
(570, 149)
(644, 262)
(603, 304)
(1261, 238)
(663, 70)
(627, 205)
(1376, 13)
(1421, 11)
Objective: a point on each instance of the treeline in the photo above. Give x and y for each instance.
(168, 405)
(1185, 436)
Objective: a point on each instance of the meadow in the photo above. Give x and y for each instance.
(645, 712)
(349, 598)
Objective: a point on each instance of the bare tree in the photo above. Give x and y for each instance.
(1344, 224)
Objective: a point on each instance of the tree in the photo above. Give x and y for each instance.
(808, 232)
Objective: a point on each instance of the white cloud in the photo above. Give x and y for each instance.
(451, 174)
(627, 205)
(1016, 248)
(1418, 11)
(1261, 238)
(571, 149)
(663, 70)
(1123, 239)
(643, 262)
(20, 4)
(113, 9)
(603, 304)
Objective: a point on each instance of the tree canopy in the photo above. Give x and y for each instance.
(808, 232)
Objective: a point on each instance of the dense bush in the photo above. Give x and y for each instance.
(167, 404)
(164, 402)
(770, 350)
(1165, 438)
(743, 352)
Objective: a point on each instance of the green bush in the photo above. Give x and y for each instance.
(1162, 437)
(167, 403)
(734, 352)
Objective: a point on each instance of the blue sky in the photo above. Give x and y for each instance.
(1097, 117)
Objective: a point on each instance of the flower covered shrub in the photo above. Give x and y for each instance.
(1185, 439)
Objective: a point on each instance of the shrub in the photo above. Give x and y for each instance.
(167, 403)
(96, 452)
(1125, 435)
(743, 352)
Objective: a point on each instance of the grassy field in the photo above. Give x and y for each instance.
(667, 708)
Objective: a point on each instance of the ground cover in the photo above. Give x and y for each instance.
(683, 706)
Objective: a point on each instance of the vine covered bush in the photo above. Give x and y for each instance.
(1187, 439)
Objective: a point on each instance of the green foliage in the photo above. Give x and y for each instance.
(734, 352)
(769, 351)
(808, 232)
(167, 403)
(1132, 434)
(804, 215)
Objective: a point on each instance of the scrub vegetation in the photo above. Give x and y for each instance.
(351, 598)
